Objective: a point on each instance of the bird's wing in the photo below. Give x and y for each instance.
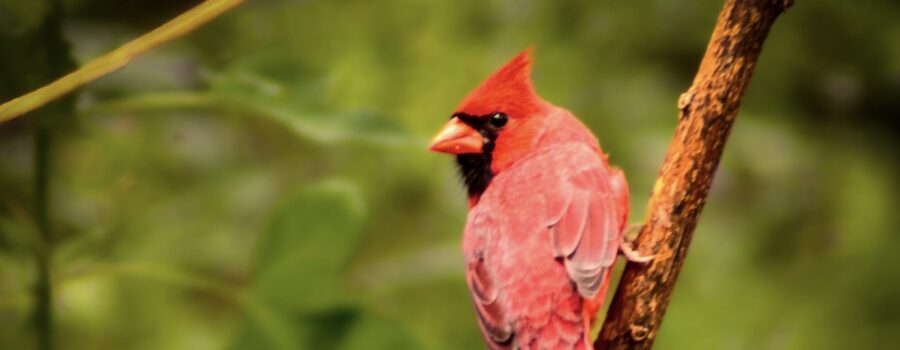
(584, 224)
(566, 190)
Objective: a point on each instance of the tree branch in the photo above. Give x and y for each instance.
(708, 110)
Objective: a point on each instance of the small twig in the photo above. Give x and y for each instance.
(708, 110)
(116, 59)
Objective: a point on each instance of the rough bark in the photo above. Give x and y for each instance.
(707, 112)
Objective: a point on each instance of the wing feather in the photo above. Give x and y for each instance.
(588, 232)
(575, 202)
(567, 233)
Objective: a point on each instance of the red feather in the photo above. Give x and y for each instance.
(508, 90)
(541, 240)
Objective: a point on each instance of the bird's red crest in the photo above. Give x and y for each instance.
(507, 90)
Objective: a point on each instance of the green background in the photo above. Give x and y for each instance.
(264, 182)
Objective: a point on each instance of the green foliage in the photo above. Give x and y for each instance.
(310, 239)
(298, 294)
(264, 183)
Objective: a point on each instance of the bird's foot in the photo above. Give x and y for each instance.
(632, 255)
(626, 247)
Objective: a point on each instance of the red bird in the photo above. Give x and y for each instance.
(546, 213)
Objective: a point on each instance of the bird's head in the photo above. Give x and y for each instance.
(495, 125)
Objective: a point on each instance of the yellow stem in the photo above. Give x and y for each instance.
(116, 59)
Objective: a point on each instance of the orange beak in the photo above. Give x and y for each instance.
(457, 138)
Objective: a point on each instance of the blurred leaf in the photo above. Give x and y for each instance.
(329, 127)
(278, 90)
(365, 127)
(376, 332)
(299, 263)
(309, 240)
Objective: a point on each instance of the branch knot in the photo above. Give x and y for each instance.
(684, 101)
(639, 333)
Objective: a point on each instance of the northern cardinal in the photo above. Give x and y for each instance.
(546, 213)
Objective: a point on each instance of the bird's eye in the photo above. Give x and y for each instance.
(498, 120)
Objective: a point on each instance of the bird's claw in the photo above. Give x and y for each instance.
(632, 255)
(626, 248)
